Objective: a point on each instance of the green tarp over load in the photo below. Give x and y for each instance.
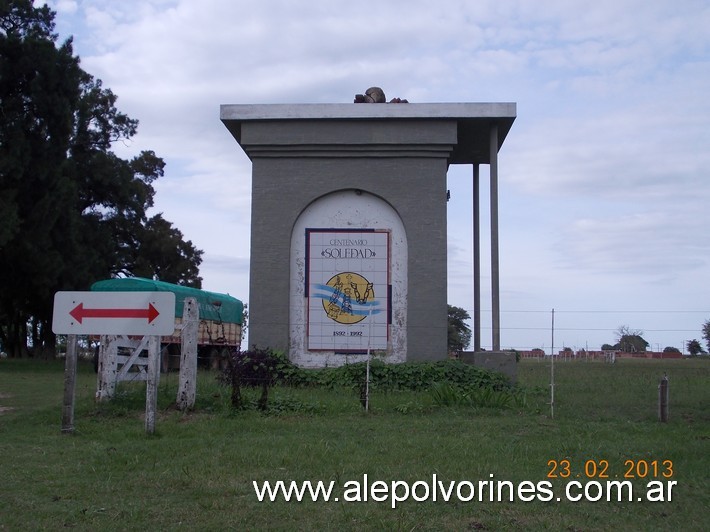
(213, 306)
(220, 315)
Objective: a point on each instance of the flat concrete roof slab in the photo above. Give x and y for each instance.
(474, 120)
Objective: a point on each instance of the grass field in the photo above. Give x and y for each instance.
(196, 472)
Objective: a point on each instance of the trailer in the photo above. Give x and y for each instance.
(220, 320)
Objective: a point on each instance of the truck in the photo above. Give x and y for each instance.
(220, 327)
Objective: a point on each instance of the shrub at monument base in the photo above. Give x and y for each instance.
(262, 368)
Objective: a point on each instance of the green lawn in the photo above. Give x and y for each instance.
(197, 470)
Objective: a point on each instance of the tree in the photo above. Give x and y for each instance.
(671, 349)
(161, 253)
(630, 340)
(459, 334)
(71, 211)
(39, 89)
(706, 333)
(694, 347)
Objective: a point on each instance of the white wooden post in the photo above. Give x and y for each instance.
(108, 353)
(151, 392)
(188, 355)
(69, 385)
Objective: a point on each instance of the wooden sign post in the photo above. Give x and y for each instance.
(151, 390)
(69, 385)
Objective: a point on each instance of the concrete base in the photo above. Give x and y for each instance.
(501, 361)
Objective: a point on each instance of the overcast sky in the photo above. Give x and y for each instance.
(604, 177)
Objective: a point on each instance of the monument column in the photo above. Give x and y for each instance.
(495, 266)
(476, 258)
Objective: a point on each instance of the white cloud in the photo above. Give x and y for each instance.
(650, 243)
(603, 175)
(65, 7)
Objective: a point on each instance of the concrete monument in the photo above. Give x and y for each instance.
(348, 232)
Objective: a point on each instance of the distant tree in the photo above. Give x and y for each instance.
(694, 347)
(706, 333)
(608, 347)
(459, 334)
(630, 340)
(671, 349)
(625, 330)
(632, 344)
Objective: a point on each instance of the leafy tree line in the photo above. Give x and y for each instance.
(71, 211)
(628, 340)
(631, 340)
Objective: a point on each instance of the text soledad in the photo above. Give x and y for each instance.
(348, 253)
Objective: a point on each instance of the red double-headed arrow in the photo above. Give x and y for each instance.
(79, 313)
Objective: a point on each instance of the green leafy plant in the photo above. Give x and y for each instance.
(447, 394)
(390, 377)
(262, 368)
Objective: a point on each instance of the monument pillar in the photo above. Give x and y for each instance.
(476, 258)
(348, 234)
(495, 254)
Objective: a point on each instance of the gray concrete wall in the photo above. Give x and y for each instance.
(501, 361)
(410, 174)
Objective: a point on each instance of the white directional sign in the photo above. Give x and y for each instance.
(133, 313)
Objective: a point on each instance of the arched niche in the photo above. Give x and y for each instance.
(348, 281)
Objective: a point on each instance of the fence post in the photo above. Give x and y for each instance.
(69, 385)
(108, 363)
(663, 395)
(188, 355)
(151, 391)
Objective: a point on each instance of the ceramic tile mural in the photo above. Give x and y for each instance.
(348, 289)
